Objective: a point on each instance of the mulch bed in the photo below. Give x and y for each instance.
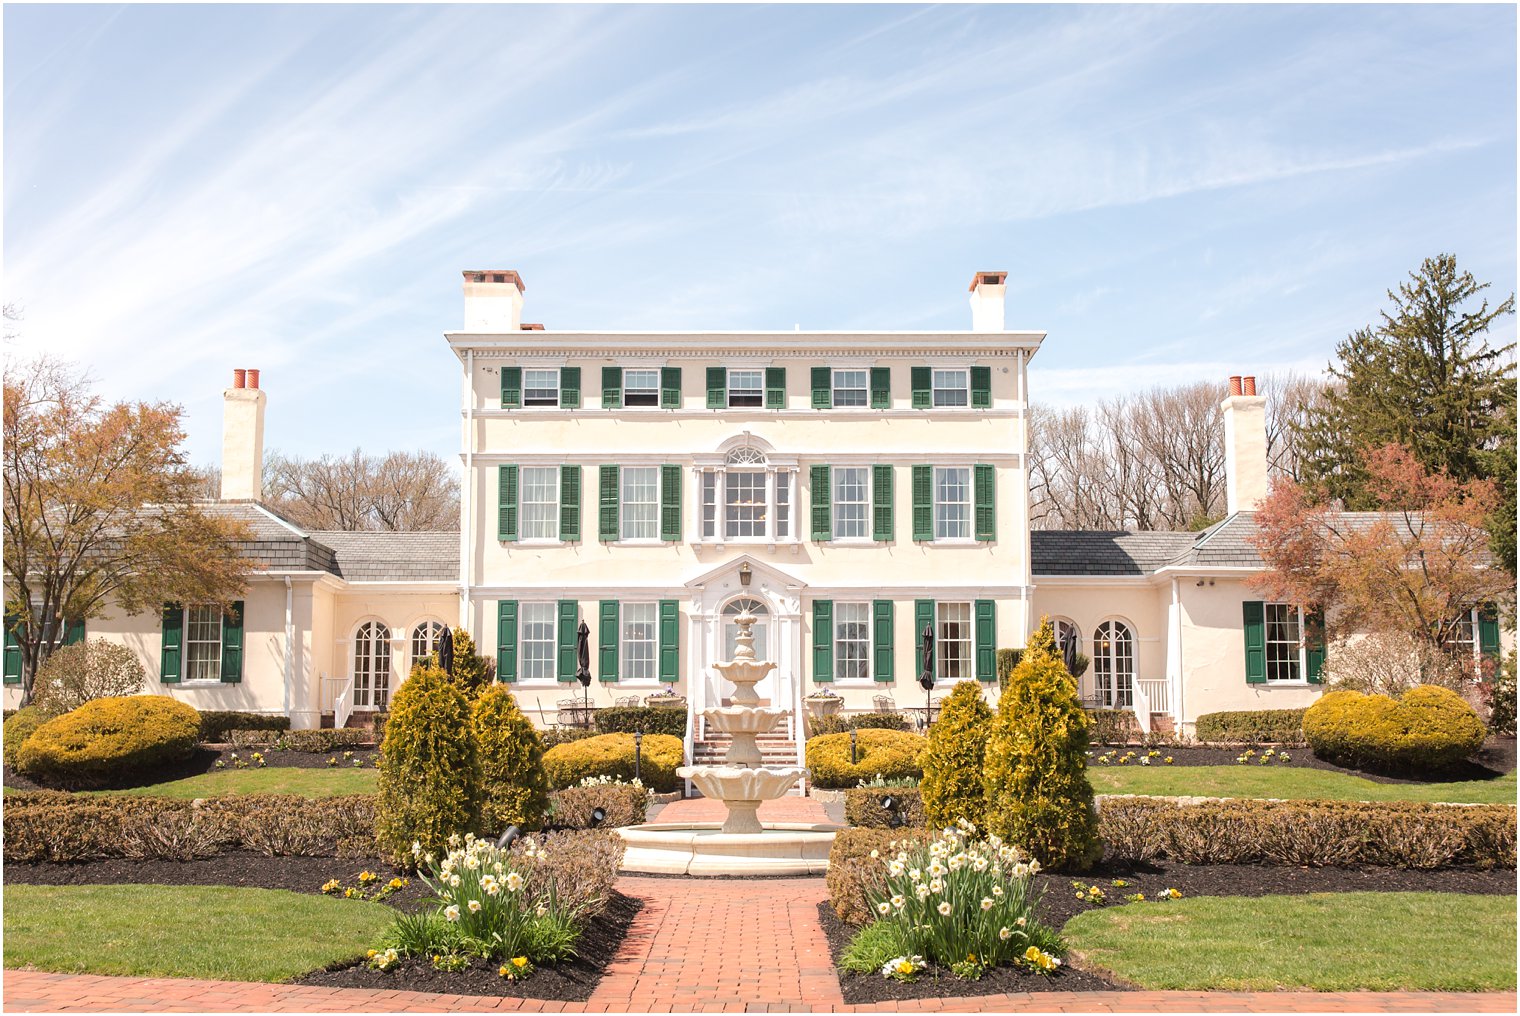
(1060, 904)
(204, 760)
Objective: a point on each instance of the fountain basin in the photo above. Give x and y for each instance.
(702, 848)
(745, 719)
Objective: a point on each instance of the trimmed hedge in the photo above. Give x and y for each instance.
(856, 721)
(18, 727)
(864, 808)
(324, 740)
(612, 755)
(646, 719)
(854, 875)
(1426, 730)
(109, 739)
(892, 754)
(554, 736)
(623, 804)
(1252, 726)
(1113, 726)
(218, 724)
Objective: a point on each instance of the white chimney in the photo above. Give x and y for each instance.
(243, 437)
(493, 301)
(987, 289)
(1245, 446)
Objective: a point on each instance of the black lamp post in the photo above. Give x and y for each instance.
(638, 751)
(853, 757)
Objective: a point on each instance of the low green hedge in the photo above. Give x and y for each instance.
(856, 721)
(1113, 726)
(324, 740)
(645, 719)
(218, 724)
(1252, 726)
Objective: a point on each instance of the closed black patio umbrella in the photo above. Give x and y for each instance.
(583, 663)
(926, 676)
(446, 651)
(1069, 651)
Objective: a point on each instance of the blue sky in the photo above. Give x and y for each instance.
(1177, 192)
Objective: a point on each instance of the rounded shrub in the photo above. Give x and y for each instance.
(612, 755)
(514, 786)
(110, 740)
(19, 727)
(1427, 729)
(85, 671)
(953, 762)
(1038, 797)
(890, 754)
(429, 768)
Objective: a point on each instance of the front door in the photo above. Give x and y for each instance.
(766, 689)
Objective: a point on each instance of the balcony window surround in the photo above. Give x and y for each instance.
(746, 494)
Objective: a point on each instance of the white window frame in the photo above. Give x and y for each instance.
(863, 608)
(758, 392)
(1296, 659)
(730, 506)
(372, 639)
(969, 503)
(864, 388)
(194, 616)
(1112, 699)
(777, 522)
(428, 641)
(1468, 627)
(553, 514)
(941, 658)
(558, 388)
(938, 374)
(643, 392)
(650, 506)
(625, 644)
(837, 503)
(525, 662)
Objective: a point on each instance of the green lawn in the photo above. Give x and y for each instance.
(1323, 942)
(184, 931)
(273, 780)
(1288, 782)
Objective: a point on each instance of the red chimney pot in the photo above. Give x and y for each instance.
(239, 377)
(1234, 384)
(1250, 384)
(253, 379)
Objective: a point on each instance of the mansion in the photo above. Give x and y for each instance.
(849, 489)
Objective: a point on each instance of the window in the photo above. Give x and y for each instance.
(1285, 643)
(851, 388)
(425, 640)
(536, 641)
(540, 503)
(709, 505)
(744, 510)
(641, 387)
(852, 494)
(372, 666)
(746, 499)
(203, 644)
(783, 503)
(852, 641)
(731, 630)
(541, 387)
(1113, 659)
(641, 503)
(1066, 629)
(951, 388)
(746, 388)
(952, 503)
(953, 637)
(640, 641)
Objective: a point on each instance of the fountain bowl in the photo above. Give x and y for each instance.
(702, 848)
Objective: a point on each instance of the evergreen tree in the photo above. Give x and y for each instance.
(953, 761)
(1427, 379)
(514, 785)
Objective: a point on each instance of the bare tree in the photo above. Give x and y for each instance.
(1292, 399)
(399, 492)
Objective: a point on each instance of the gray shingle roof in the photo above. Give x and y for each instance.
(394, 557)
(1092, 552)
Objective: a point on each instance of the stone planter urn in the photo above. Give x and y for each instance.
(666, 701)
(822, 706)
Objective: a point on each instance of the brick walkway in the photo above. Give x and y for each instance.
(712, 945)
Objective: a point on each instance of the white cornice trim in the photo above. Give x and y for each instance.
(730, 345)
(1015, 412)
(864, 592)
(707, 460)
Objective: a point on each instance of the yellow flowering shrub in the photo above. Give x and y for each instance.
(514, 785)
(1427, 729)
(612, 755)
(890, 754)
(110, 740)
(952, 786)
(17, 729)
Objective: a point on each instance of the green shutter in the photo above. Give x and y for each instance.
(881, 387)
(173, 632)
(1488, 631)
(823, 388)
(823, 640)
(670, 504)
(12, 649)
(923, 617)
(506, 511)
(570, 503)
(981, 387)
(717, 387)
(511, 387)
(984, 493)
(607, 640)
(881, 503)
(506, 640)
(670, 642)
(569, 614)
(923, 395)
(607, 502)
(986, 640)
(823, 515)
(232, 645)
(881, 619)
(1314, 646)
(73, 631)
(923, 503)
(670, 387)
(1254, 620)
(612, 387)
(775, 388)
(570, 388)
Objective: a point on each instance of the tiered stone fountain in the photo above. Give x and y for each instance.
(742, 845)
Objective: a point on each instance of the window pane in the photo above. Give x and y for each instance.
(641, 503)
(850, 388)
(783, 503)
(746, 387)
(541, 387)
(539, 499)
(852, 640)
(952, 503)
(954, 634)
(203, 644)
(537, 641)
(851, 491)
(1283, 642)
(745, 510)
(641, 388)
(950, 388)
(372, 666)
(640, 627)
(709, 504)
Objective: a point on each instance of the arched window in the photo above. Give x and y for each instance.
(731, 630)
(372, 666)
(1066, 628)
(425, 639)
(1113, 659)
(747, 498)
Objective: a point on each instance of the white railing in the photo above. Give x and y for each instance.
(1142, 706)
(1155, 691)
(338, 697)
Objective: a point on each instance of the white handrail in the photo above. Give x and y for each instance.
(343, 704)
(1141, 704)
(1156, 693)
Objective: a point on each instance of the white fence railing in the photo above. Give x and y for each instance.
(1155, 693)
(338, 698)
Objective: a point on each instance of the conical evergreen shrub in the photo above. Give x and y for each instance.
(429, 768)
(514, 786)
(1038, 797)
(472, 672)
(953, 762)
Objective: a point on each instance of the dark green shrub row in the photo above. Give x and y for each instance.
(564, 735)
(624, 805)
(217, 724)
(644, 719)
(324, 740)
(856, 721)
(1252, 726)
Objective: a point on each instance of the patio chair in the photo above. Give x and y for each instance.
(884, 703)
(627, 700)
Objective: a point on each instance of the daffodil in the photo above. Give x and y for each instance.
(944, 908)
(987, 903)
(474, 906)
(451, 912)
(884, 908)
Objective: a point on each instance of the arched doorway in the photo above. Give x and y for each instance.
(764, 649)
(1113, 661)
